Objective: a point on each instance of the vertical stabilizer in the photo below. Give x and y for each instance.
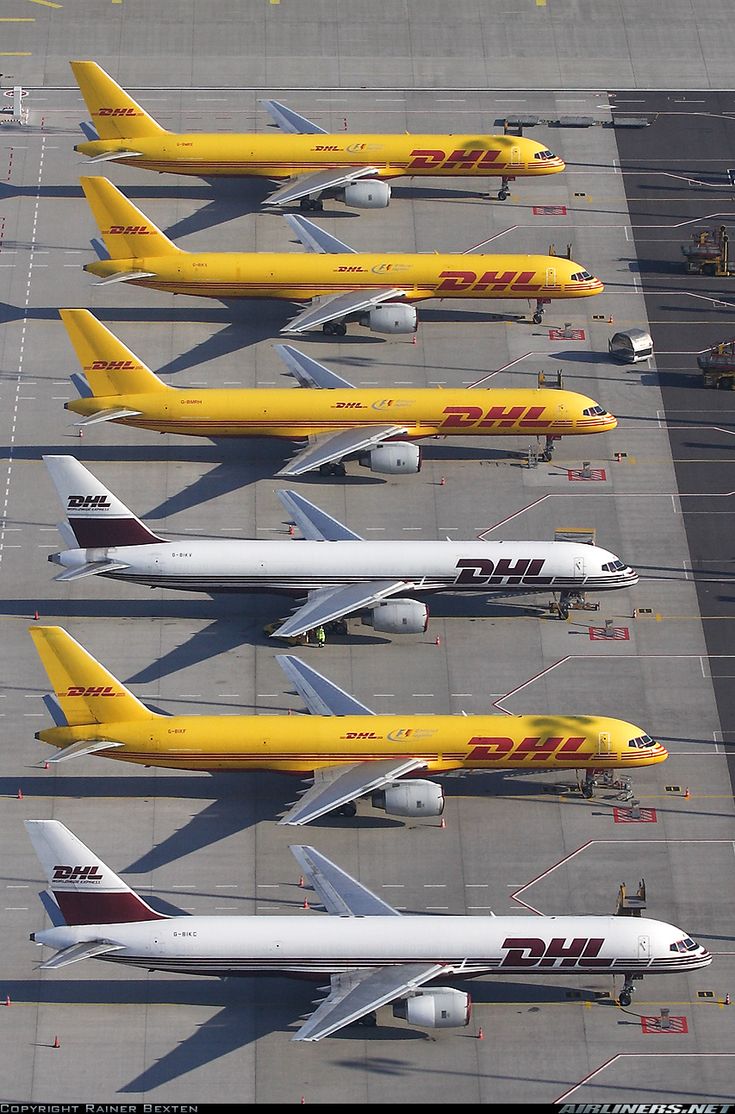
(109, 367)
(128, 233)
(84, 888)
(114, 112)
(97, 518)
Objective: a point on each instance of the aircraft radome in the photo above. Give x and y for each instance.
(348, 749)
(377, 425)
(369, 953)
(376, 289)
(348, 576)
(356, 168)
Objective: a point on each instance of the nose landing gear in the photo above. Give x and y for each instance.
(626, 994)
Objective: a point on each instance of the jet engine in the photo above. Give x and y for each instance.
(394, 458)
(410, 798)
(442, 1007)
(398, 617)
(391, 317)
(368, 194)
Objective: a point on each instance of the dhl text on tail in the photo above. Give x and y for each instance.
(375, 289)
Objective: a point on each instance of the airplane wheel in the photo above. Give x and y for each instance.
(537, 318)
(305, 204)
(563, 612)
(625, 998)
(502, 195)
(588, 792)
(339, 328)
(369, 1021)
(328, 328)
(350, 809)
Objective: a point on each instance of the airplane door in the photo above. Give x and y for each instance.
(644, 947)
(604, 741)
(515, 156)
(578, 567)
(550, 276)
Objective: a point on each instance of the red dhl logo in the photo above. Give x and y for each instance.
(530, 951)
(127, 230)
(533, 748)
(499, 417)
(350, 270)
(117, 112)
(463, 281)
(432, 159)
(112, 365)
(90, 690)
(361, 735)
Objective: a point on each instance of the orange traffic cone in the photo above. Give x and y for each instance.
(442, 823)
(301, 881)
(727, 1000)
(442, 481)
(437, 641)
(57, 1043)
(306, 904)
(7, 999)
(20, 794)
(687, 794)
(480, 1034)
(35, 614)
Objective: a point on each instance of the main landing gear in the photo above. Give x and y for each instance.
(548, 450)
(348, 809)
(626, 994)
(334, 328)
(311, 205)
(333, 468)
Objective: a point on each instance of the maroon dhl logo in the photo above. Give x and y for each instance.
(498, 417)
(90, 690)
(533, 748)
(127, 230)
(484, 571)
(430, 159)
(76, 874)
(117, 112)
(530, 951)
(112, 365)
(456, 282)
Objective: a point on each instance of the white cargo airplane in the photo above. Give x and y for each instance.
(370, 953)
(349, 575)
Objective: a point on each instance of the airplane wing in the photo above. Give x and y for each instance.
(320, 695)
(290, 121)
(356, 993)
(316, 183)
(308, 372)
(336, 446)
(339, 307)
(340, 893)
(315, 524)
(85, 950)
(335, 786)
(315, 239)
(327, 604)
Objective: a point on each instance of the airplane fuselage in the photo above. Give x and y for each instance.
(465, 946)
(280, 155)
(300, 277)
(234, 565)
(297, 745)
(424, 412)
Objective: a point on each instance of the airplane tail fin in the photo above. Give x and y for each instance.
(84, 888)
(114, 112)
(98, 519)
(128, 233)
(109, 367)
(86, 692)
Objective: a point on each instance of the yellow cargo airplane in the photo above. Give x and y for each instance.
(376, 289)
(349, 749)
(355, 168)
(379, 422)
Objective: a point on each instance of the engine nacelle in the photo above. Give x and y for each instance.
(442, 1007)
(393, 459)
(398, 617)
(368, 194)
(410, 798)
(391, 317)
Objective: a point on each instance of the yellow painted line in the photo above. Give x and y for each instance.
(540, 3)
(46, 3)
(15, 54)
(17, 19)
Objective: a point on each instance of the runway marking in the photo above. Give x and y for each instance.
(46, 3)
(630, 1055)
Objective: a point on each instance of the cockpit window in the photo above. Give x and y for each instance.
(643, 742)
(685, 945)
(544, 155)
(582, 276)
(613, 566)
(594, 411)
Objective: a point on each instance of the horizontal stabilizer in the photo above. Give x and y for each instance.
(81, 747)
(113, 156)
(86, 950)
(315, 239)
(290, 121)
(124, 276)
(315, 524)
(320, 695)
(308, 372)
(92, 568)
(112, 415)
